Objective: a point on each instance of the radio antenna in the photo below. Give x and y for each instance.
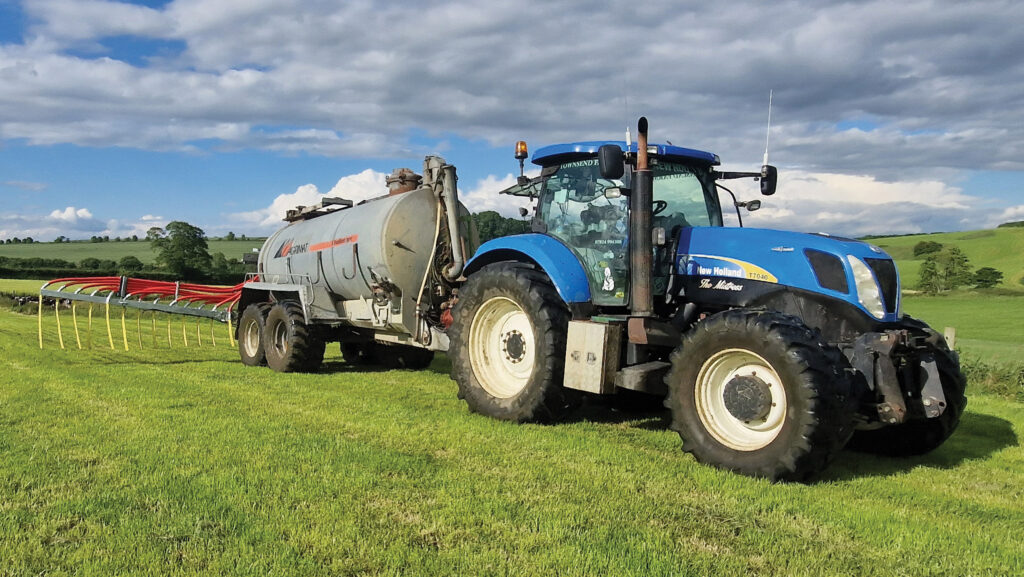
(769, 131)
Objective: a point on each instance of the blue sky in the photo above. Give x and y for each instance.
(117, 116)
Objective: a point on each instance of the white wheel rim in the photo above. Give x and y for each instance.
(709, 395)
(501, 347)
(251, 339)
(280, 338)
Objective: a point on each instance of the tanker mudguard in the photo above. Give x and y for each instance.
(557, 261)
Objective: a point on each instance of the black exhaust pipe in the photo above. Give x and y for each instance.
(641, 246)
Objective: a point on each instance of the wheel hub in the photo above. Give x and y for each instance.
(747, 398)
(514, 346)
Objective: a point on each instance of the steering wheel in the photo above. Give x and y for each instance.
(659, 207)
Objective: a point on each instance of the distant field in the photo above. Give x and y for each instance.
(76, 251)
(991, 328)
(20, 286)
(1001, 249)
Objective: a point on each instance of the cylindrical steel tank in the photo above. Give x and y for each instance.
(351, 250)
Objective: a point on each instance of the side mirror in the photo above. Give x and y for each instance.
(609, 159)
(753, 205)
(613, 192)
(523, 180)
(769, 179)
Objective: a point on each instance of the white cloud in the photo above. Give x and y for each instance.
(1011, 214)
(366, 184)
(484, 196)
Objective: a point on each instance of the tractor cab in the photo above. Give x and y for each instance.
(590, 213)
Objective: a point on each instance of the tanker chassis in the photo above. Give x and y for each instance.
(773, 350)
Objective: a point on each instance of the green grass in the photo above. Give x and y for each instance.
(987, 327)
(20, 286)
(1001, 249)
(183, 461)
(76, 251)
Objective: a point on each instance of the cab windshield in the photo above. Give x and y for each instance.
(589, 214)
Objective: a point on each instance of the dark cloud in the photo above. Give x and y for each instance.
(900, 91)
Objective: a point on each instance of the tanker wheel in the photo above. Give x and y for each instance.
(921, 436)
(290, 345)
(761, 394)
(508, 345)
(250, 334)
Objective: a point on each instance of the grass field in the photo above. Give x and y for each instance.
(76, 251)
(183, 461)
(1001, 249)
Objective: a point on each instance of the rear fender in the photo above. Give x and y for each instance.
(550, 255)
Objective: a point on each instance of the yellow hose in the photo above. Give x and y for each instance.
(124, 330)
(184, 335)
(40, 321)
(110, 333)
(169, 345)
(74, 319)
(56, 313)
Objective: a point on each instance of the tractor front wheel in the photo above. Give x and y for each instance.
(761, 394)
(508, 345)
(290, 345)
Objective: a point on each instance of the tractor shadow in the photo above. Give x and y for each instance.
(978, 437)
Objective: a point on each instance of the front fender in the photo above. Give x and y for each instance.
(553, 257)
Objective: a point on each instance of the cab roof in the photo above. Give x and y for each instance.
(558, 153)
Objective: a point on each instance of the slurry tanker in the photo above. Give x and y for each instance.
(773, 350)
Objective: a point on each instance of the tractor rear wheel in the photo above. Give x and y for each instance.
(250, 334)
(508, 345)
(920, 436)
(761, 394)
(290, 345)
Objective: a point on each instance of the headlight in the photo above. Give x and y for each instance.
(867, 287)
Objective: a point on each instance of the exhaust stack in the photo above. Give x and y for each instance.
(641, 249)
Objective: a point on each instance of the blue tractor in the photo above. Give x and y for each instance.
(773, 350)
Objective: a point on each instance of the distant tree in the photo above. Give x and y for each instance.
(958, 269)
(154, 233)
(16, 240)
(130, 264)
(106, 238)
(183, 250)
(490, 225)
(926, 247)
(1014, 224)
(7, 241)
(135, 238)
(90, 263)
(987, 277)
(28, 240)
(61, 239)
(944, 271)
(229, 236)
(929, 276)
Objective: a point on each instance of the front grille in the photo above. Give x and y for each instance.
(888, 279)
(828, 269)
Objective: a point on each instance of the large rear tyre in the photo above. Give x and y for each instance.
(290, 345)
(761, 394)
(921, 436)
(250, 334)
(508, 345)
